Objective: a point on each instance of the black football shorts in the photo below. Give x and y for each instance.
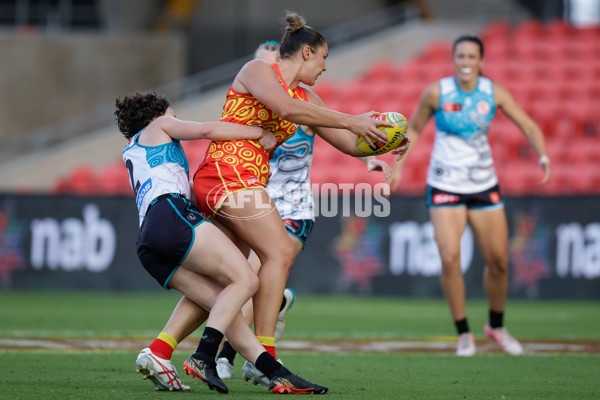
(167, 235)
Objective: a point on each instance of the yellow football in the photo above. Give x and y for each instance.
(395, 134)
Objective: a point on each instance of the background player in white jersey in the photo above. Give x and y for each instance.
(182, 252)
(462, 183)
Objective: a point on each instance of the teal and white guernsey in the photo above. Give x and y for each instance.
(155, 170)
(289, 185)
(461, 160)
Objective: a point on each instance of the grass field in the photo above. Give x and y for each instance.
(43, 367)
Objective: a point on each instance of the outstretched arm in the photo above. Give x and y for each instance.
(258, 78)
(530, 129)
(341, 139)
(212, 130)
(165, 128)
(425, 109)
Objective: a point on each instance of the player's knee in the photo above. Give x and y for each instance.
(252, 282)
(450, 261)
(289, 255)
(285, 254)
(498, 266)
(249, 280)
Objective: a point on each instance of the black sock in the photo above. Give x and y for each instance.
(269, 366)
(496, 319)
(282, 303)
(228, 352)
(462, 326)
(209, 345)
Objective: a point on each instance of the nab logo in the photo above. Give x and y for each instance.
(73, 244)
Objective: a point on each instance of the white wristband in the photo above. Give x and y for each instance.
(544, 160)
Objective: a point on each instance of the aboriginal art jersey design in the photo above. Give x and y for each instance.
(155, 170)
(289, 186)
(461, 160)
(243, 108)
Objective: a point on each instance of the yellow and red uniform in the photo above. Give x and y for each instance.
(231, 166)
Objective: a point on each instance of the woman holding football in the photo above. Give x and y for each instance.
(230, 183)
(462, 183)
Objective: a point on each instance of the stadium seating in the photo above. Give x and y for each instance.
(552, 71)
(114, 180)
(82, 180)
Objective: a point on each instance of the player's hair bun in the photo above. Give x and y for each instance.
(295, 22)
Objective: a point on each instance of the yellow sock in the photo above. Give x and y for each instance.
(164, 345)
(168, 338)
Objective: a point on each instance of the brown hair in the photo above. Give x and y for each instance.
(135, 112)
(297, 35)
(469, 38)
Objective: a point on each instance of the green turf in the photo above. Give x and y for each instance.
(72, 314)
(110, 375)
(34, 375)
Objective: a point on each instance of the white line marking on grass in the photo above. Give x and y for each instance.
(443, 344)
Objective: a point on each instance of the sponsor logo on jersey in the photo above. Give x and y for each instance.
(443, 198)
(451, 107)
(143, 191)
(483, 107)
(495, 197)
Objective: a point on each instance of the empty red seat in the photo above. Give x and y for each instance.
(383, 70)
(440, 51)
(587, 34)
(519, 178)
(413, 71)
(560, 182)
(114, 180)
(326, 91)
(497, 30)
(583, 151)
(585, 179)
(557, 150)
(546, 113)
(496, 52)
(356, 91)
(496, 71)
(81, 180)
(503, 130)
(527, 29)
(557, 30)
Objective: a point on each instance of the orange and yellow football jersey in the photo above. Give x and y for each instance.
(240, 164)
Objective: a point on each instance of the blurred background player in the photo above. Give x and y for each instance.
(290, 189)
(463, 187)
(182, 252)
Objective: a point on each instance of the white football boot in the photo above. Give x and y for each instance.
(160, 371)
